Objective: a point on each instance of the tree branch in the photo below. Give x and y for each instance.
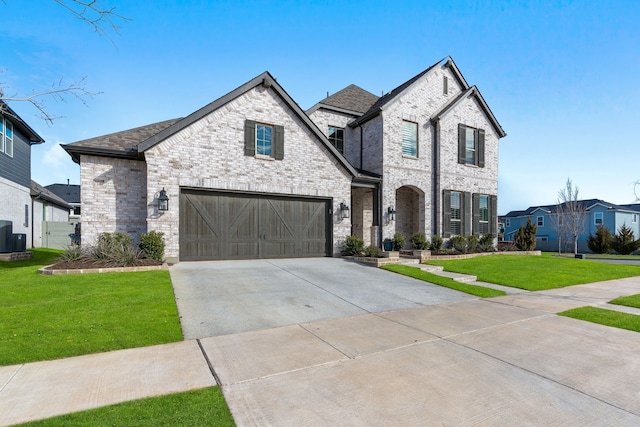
(59, 92)
(101, 18)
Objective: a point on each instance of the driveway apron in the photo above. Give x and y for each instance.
(225, 297)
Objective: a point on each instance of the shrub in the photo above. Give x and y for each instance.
(419, 241)
(110, 246)
(372, 251)
(472, 243)
(459, 243)
(152, 245)
(124, 255)
(485, 244)
(601, 242)
(525, 238)
(352, 245)
(398, 241)
(73, 252)
(624, 242)
(436, 243)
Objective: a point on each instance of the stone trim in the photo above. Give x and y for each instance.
(47, 271)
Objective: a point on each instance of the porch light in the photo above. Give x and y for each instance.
(392, 213)
(344, 210)
(163, 201)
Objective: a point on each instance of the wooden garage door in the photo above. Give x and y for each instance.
(218, 226)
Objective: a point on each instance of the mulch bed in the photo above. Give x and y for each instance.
(87, 264)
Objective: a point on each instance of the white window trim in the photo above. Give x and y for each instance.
(540, 221)
(264, 156)
(634, 218)
(595, 218)
(410, 156)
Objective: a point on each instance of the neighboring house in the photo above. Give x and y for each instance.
(546, 218)
(50, 227)
(251, 175)
(70, 193)
(16, 139)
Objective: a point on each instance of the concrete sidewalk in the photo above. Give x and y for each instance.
(506, 360)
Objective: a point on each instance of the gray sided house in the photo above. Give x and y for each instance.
(552, 234)
(16, 139)
(251, 175)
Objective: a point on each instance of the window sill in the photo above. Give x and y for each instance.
(262, 157)
(404, 156)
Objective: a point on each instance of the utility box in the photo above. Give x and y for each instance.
(6, 236)
(19, 243)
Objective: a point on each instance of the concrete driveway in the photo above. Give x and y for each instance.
(226, 297)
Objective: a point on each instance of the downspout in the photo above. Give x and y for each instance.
(436, 176)
(361, 146)
(33, 207)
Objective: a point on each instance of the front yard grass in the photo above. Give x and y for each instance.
(535, 273)
(606, 317)
(193, 408)
(416, 273)
(629, 301)
(50, 317)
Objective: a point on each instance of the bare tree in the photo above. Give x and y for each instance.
(571, 213)
(102, 19)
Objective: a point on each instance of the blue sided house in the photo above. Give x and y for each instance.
(550, 235)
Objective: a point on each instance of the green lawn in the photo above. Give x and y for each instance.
(50, 317)
(605, 317)
(205, 407)
(629, 301)
(536, 273)
(416, 273)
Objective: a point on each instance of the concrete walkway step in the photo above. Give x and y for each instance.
(431, 268)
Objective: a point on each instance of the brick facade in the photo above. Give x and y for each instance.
(209, 154)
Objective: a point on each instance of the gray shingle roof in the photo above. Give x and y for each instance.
(38, 190)
(587, 203)
(68, 192)
(352, 98)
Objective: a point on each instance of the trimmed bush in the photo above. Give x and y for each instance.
(152, 245)
(352, 245)
(472, 244)
(372, 251)
(419, 241)
(485, 244)
(398, 241)
(436, 243)
(459, 243)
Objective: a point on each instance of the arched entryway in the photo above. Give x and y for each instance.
(409, 211)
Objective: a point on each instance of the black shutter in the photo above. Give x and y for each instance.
(480, 148)
(466, 214)
(461, 144)
(249, 138)
(446, 213)
(493, 215)
(278, 143)
(476, 213)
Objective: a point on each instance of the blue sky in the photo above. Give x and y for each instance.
(560, 76)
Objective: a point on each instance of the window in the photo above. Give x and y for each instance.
(507, 223)
(445, 85)
(540, 221)
(336, 138)
(1, 134)
(483, 227)
(456, 214)
(263, 140)
(597, 216)
(410, 139)
(8, 138)
(634, 218)
(470, 146)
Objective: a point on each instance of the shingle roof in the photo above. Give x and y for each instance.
(389, 96)
(68, 192)
(38, 190)
(588, 203)
(352, 98)
(20, 124)
(125, 139)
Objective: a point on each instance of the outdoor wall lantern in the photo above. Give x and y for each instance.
(392, 213)
(163, 201)
(344, 210)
